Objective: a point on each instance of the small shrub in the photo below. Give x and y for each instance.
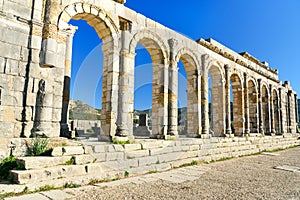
(39, 147)
(7, 164)
(126, 174)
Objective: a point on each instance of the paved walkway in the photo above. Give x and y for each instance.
(265, 176)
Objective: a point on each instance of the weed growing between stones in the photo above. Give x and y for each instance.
(71, 161)
(39, 147)
(71, 185)
(121, 142)
(126, 174)
(8, 164)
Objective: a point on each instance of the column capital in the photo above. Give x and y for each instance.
(172, 43)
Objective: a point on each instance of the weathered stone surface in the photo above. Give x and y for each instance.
(56, 195)
(42, 162)
(73, 150)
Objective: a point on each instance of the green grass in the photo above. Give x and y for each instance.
(71, 161)
(71, 185)
(121, 142)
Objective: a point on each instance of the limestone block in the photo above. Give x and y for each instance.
(84, 159)
(15, 9)
(120, 165)
(118, 147)
(2, 64)
(132, 147)
(152, 145)
(11, 67)
(57, 151)
(99, 148)
(159, 151)
(19, 83)
(136, 154)
(172, 156)
(72, 150)
(114, 156)
(149, 160)
(99, 157)
(6, 129)
(88, 150)
(42, 162)
(9, 50)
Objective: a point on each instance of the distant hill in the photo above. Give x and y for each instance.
(82, 111)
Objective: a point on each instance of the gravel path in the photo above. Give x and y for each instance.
(251, 177)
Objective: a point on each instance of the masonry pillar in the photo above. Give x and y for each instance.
(296, 112)
(194, 106)
(173, 92)
(126, 91)
(260, 110)
(281, 128)
(64, 130)
(227, 101)
(204, 97)
(289, 111)
(271, 121)
(247, 111)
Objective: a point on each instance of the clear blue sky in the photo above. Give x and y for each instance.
(267, 29)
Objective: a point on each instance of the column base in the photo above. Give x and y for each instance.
(171, 137)
(230, 135)
(205, 136)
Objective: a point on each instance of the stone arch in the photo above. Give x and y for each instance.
(253, 105)
(217, 106)
(92, 14)
(237, 105)
(107, 29)
(276, 111)
(265, 108)
(157, 50)
(191, 66)
(154, 45)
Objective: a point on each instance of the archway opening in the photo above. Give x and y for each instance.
(85, 79)
(189, 94)
(182, 100)
(253, 100)
(154, 56)
(237, 122)
(143, 77)
(276, 112)
(216, 101)
(265, 109)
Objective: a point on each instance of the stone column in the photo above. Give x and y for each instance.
(204, 97)
(64, 132)
(289, 111)
(246, 95)
(49, 43)
(227, 101)
(126, 91)
(194, 106)
(281, 128)
(173, 92)
(296, 112)
(271, 121)
(260, 110)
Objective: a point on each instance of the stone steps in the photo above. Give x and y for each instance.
(103, 161)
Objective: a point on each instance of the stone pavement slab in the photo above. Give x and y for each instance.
(56, 195)
(289, 168)
(36, 196)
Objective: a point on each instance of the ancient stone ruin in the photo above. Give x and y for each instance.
(35, 65)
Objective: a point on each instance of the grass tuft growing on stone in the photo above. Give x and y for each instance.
(71, 161)
(72, 185)
(121, 142)
(39, 147)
